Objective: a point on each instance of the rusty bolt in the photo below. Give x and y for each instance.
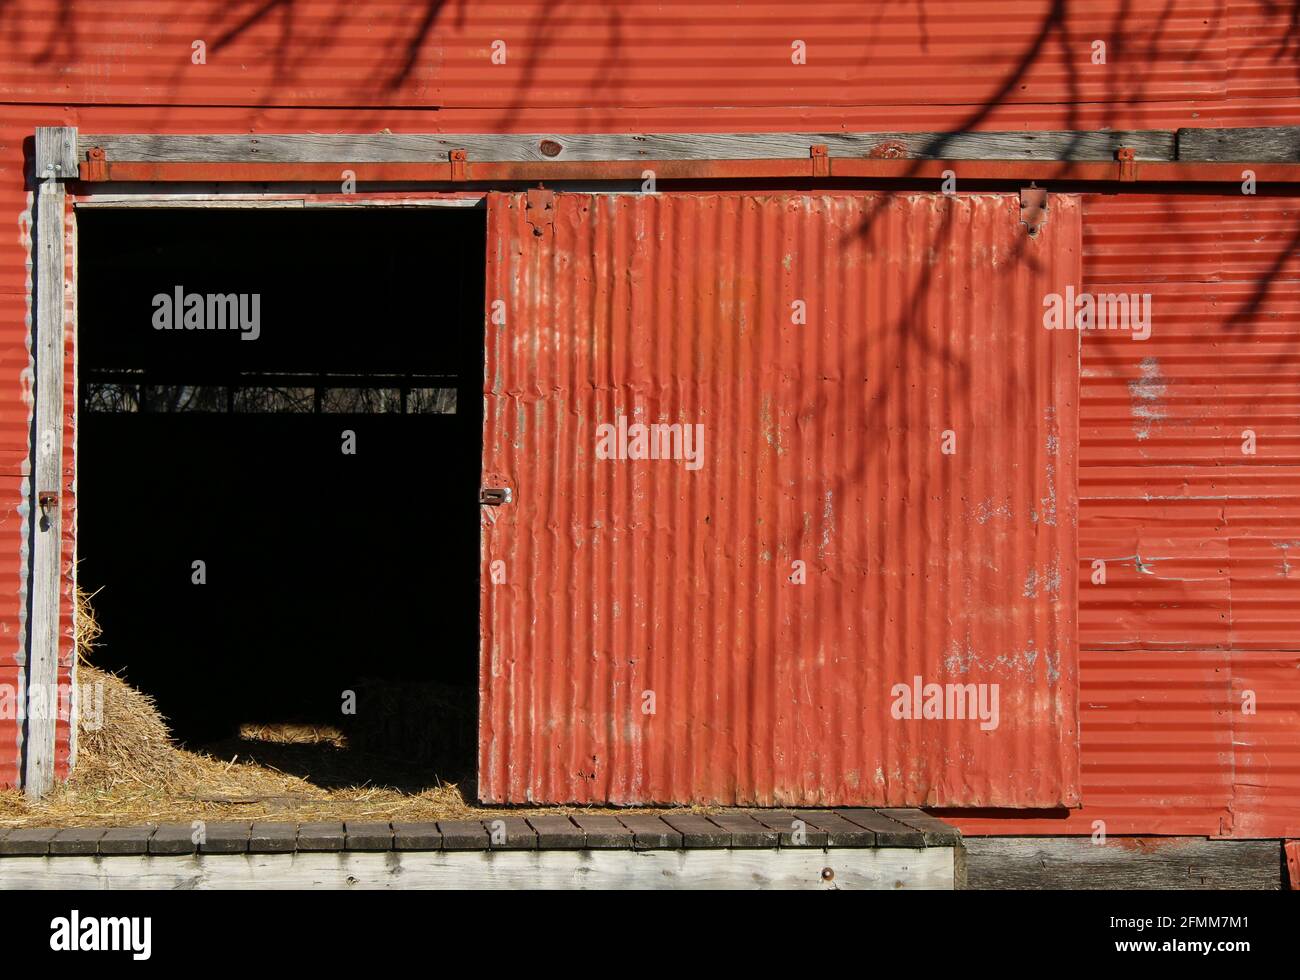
(828, 874)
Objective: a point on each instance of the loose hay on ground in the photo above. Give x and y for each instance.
(129, 771)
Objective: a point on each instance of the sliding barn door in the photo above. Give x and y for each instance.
(791, 509)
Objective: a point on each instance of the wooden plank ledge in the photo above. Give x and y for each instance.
(894, 869)
(805, 849)
(665, 830)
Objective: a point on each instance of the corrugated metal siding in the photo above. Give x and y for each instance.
(65, 743)
(1264, 49)
(656, 67)
(15, 418)
(1266, 760)
(1167, 749)
(1168, 771)
(596, 57)
(1194, 238)
(1202, 597)
(687, 53)
(1008, 116)
(647, 67)
(822, 445)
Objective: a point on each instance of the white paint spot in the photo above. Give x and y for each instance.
(987, 510)
(1143, 393)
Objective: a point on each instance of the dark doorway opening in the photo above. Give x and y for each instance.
(279, 442)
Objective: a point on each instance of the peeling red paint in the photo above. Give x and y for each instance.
(1190, 652)
(920, 315)
(1165, 651)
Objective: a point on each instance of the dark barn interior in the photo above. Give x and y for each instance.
(324, 570)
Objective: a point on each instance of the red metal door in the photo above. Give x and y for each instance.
(848, 575)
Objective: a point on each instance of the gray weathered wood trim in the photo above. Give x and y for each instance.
(1076, 863)
(495, 148)
(1267, 144)
(150, 197)
(1260, 144)
(47, 457)
(56, 152)
(811, 868)
(846, 827)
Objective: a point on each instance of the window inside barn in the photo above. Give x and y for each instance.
(112, 391)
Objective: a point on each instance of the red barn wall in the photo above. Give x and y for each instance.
(1201, 597)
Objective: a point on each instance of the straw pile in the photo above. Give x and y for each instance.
(122, 739)
(130, 772)
(132, 746)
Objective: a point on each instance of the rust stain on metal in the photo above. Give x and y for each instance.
(1033, 208)
(96, 166)
(458, 160)
(1127, 157)
(540, 209)
(821, 161)
(750, 623)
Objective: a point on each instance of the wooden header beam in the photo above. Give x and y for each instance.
(699, 170)
(1274, 145)
(1148, 155)
(602, 148)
